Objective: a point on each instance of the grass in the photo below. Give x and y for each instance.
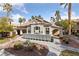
(69, 53)
(3, 40)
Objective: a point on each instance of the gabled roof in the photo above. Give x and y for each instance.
(36, 22)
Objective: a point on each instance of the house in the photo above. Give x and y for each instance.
(76, 28)
(38, 29)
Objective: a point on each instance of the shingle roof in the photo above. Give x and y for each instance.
(38, 22)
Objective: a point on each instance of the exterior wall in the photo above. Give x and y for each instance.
(41, 29)
(49, 30)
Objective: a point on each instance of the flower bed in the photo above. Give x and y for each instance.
(28, 49)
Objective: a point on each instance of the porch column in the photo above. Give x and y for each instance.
(61, 33)
(11, 33)
(15, 32)
(21, 32)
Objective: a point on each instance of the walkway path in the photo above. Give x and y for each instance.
(54, 49)
(7, 44)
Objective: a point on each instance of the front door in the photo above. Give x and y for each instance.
(18, 32)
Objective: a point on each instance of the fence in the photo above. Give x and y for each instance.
(37, 37)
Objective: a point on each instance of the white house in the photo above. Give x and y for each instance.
(38, 29)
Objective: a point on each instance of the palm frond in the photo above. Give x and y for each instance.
(65, 5)
(62, 3)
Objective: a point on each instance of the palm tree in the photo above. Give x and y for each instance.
(20, 20)
(69, 14)
(24, 19)
(7, 8)
(52, 19)
(32, 17)
(57, 14)
(40, 17)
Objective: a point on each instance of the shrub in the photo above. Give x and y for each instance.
(27, 42)
(66, 41)
(18, 46)
(29, 46)
(69, 53)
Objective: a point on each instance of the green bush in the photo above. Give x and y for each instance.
(29, 46)
(18, 46)
(69, 53)
(77, 34)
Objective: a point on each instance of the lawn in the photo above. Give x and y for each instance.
(3, 40)
(69, 53)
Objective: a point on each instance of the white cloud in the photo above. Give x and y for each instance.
(15, 17)
(73, 16)
(20, 7)
(25, 11)
(1, 9)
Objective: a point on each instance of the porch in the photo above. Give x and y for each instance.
(40, 37)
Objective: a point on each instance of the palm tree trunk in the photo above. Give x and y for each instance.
(8, 17)
(10, 23)
(69, 18)
(20, 24)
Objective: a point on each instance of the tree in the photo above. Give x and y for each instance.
(24, 19)
(32, 17)
(39, 17)
(5, 27)
(64, 24)
(20, 21)
(7, 8)
(57, 14)
(36, 17)
(52, 19)
(69, 15)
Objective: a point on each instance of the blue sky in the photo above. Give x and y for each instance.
(46, 10)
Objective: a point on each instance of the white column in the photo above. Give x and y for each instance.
(61, 33)
(11, 33)
(15, 31)
(27, 30)
(21, 32)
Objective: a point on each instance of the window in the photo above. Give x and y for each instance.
(24, 31)
(29, 29)
(36, 29)
(47, 30)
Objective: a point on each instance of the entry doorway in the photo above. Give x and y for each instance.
(18, 32)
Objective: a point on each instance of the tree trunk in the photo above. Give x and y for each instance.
(20, 24)
(10, 23)
(8, 17)
(69, 18)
